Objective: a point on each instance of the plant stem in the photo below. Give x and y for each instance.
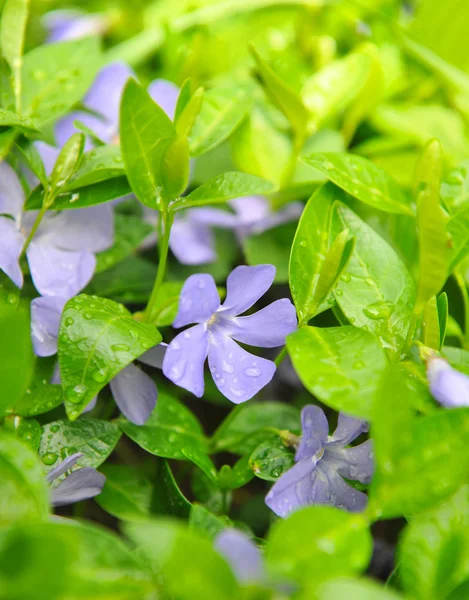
(465, 297)
(35, 227)
(281, 356)
(168, 219)
(410, 333)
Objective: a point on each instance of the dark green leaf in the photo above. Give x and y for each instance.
(205, 522)
(167, 498)
(126, 494)
(271, 459)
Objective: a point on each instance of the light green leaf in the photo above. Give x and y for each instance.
(187, 110)
(375, 290)
(145, 131)
(12, 34)
(97, 339)
(167, 304)
(458, 228)
(99, 164)
(25, 495)
(222, 110)
(223, 188)
(93, 438)
(10, 119)
(443, 316)
(362, 179)
(175, 166)
(170, 429)
(347, 362)
(29, 153)
(431, 325)
(454, 190)
(67, 162)
(319, 543)
(27, 430)
(271, 459)
(355, 589)
(126, 494)
(56, 76)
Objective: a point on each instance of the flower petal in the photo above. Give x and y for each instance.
(241, 553)
(11, 192)
(355, 463)
(183, 363)
(342, 494)
(58, 272)
(105, 130)
(192, 244)
(448, 386)
(64, 466)
(165, 94)
(245, 285)
(135, 394)
(105, 94)
(238, 374)
(45, 321)
(155, 356)
(293, 489)
(251, 209)
(291, 212)
(268, 327)
(80, 485)
(198, 301)
(314, 428)
(348, 429)
(213, 217)
(11, 244)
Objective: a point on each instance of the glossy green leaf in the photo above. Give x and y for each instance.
(175, 166)
(95, 439)
(238, 432)
(25, 496)
(454, 189)
(271, 459)
(126, 494)
(167, 304)
(170, 429)
(40, 396)
(145, 131)
(434, 548)
(67, 162)
(167, 498)
(431, 325)
(375, 290)
(223, 188)
(231, 478)
(222, 110)
(56, 76)
(198, 455)
(347, 365)
(99, 164)
(27, 430)
(319, 542)
(10, 119)
(97, 339)
(362, 179)
(434, 247)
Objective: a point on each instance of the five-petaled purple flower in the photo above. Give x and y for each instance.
(238, 374)
(81, 484)
(192, 241)
(321, 462)
(242, 554)
(61, 254)
(448, 386)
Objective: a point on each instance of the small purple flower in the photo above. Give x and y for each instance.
(192, 240)
(242, 554)
(321, 462)
(238, 374)
(61, 255)
(448, 386)
(72, 24)
(81, 484)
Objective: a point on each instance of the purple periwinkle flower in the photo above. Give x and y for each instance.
(61, 255)
(72, 24)
(321, 462)
(192, 241)
(447, 385)
(238, 374)
(81, 484)
(242, 554)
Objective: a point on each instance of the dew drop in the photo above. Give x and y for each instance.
(345, 277)
(87, 316)
(120, 347)
(69, 321)
(359, 364)
(187, 335)
(227, 367)
(252, 372)
(379, 310)
(12, 298)
(339, 292)
(54, 428)
(50, 458)
(303, 244)
(101, 375)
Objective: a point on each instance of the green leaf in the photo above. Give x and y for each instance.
(145, 131)
(269, 248)
(454, 189)
(99, 164)
(170, 429)
(175, 167)
(375, 290)
(97, 339)
(237, 433)
(434, 247)
(223, 188)
(433, 551)
(167, 498)
(222, 110)
(27, 430)
(271, 459)
(309, 249)
(67, 162)
(16, 353)
(40, 396)
(12, 34)
(93, 438)
(166, 307)
(231, 478)
(347, 365)
(362, 179)
(204, 522)
(458, 228)
(25, 496)
(319, 543)
(168, 544)
(56, 76)
(420, 460)
(126, 494)
(431, 325)
(355, 589)
(31, 156)
(10, 119)
(129, 232)
(198, 455)
(283, 96)
(187, 111)
(184, 96)
(442, 307)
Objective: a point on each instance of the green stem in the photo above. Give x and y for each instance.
(410, 332)
(465, 297)
(168, 219)
(290, 170)
(32, 233)
(281, 356)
